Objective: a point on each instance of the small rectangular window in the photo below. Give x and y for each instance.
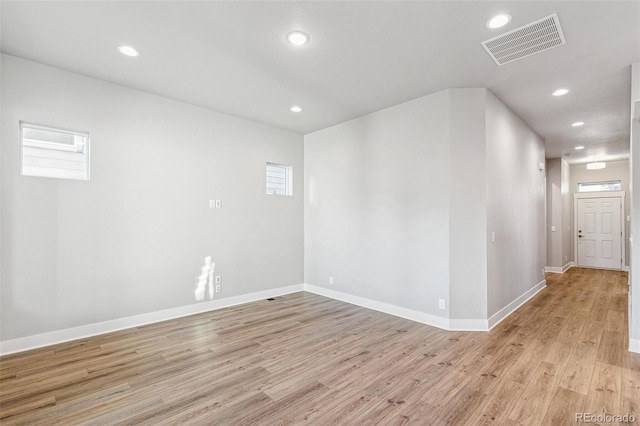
(54, 153)
(279, 179)
(613, 185)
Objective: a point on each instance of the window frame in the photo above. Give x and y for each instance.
(58, 146)
(604, 182)
(288, 179)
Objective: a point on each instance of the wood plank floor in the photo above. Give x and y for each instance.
(303, 358)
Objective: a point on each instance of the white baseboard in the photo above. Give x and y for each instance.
(634, 345)
(84, 331)
(468, 325)
(511, 307)
(624, 268)
(81, 332)
(387, 308)
(559, 270)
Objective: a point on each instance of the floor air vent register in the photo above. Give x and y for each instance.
(525, 41)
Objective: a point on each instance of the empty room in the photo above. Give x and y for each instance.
(319, 212)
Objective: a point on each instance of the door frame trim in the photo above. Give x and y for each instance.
(601, 194)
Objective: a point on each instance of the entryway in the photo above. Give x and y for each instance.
(599, 232)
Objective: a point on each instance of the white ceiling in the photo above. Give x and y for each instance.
(362, 57)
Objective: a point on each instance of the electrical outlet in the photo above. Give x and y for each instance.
(218, 288)
(331, 280)
(218, 280)
(441, 304)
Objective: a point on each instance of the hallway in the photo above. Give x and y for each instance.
(579, 325)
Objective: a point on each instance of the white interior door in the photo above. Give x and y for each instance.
(599, 233)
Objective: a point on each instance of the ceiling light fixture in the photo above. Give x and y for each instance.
(297, 38)
(560, 92)
(579, 147)
(578, 124)
(296, 108)
(498, 21)
(128, 51)
(596, 165)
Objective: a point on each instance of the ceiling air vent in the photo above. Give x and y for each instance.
(528, 40)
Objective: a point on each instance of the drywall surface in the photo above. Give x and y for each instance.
(133, 239)
(554, 213)
(400, 206)
(515, 206)
(467, 204)
(615, 170)
(397, 206)
(559, 220)
(377, 205)
(634, 236)
(634, 188)
(567, 218)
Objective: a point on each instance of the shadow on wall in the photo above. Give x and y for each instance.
(205, 279)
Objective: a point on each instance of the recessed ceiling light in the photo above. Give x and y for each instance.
(297, 38)
(128, 51)
(296, 108)
(579, 147)
(560, 92)
(498, 21)
(578, 124)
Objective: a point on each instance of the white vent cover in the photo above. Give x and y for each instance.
(527, 40)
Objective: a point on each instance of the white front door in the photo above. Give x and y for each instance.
(599, 233)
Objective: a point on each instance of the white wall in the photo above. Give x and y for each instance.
(467, 204)
(554, 213)
(516, 203)
(133, 239)
(399, 206)
(634, 187)
(615, 170)
(559, 202)
(377, 205)
(567, 217)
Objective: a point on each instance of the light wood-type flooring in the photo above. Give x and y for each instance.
(303, 358)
